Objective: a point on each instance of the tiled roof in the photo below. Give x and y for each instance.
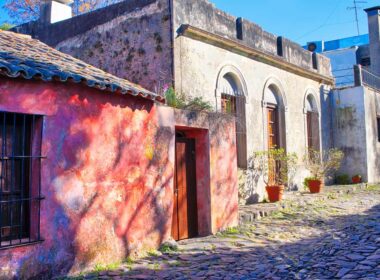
(21, 56)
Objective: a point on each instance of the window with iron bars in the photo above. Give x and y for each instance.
(20, 179)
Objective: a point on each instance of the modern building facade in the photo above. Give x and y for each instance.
(344, 54)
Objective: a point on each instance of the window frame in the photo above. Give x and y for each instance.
(23, 134)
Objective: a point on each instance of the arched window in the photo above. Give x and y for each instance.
(233, 102)
(312, 123)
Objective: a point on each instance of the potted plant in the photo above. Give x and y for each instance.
(275, 166)
(321, 166)
(357, 179)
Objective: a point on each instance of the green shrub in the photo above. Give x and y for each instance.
(342, 179)
(198, 104)
(6, 26)
(175, 100)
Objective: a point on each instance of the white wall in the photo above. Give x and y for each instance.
(349, 130)
(197, 66)
(372, 111)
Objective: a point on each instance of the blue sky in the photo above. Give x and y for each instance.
(3, 15)
(299, 20)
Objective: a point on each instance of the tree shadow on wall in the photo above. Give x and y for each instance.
(107, 189)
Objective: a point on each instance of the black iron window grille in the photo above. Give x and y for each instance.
(20, 179)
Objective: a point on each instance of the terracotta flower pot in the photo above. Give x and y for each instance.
(275, 193)
(356, 179)
(315, 186)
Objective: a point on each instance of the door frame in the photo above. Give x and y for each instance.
(187, 227)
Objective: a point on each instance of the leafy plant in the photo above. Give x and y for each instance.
(154, 253)
(198, 104)
(165, 248)
(322, 164)
(6, 26)
(175, 100)
(275, 165)
(342, 179)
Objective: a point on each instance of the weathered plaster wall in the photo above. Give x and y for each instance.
(108, 177)
(135, 46)
(372, 112)
(204, 15)
(349, 128)
(199, 65)
(131, 40)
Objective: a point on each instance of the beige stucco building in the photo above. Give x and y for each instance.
(277, 89)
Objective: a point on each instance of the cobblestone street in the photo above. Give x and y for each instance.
(331, 236)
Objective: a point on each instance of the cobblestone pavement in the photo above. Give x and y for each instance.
(330, 236)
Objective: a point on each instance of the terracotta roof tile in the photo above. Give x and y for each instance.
(22, 56)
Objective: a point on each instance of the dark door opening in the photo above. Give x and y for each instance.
(185, 216)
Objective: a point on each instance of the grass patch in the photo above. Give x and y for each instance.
(101, 267)
(229, 232)
(166, 249)
(332, 196)
(155, 266)
(154, 253)
(129, 260)
(373, 188)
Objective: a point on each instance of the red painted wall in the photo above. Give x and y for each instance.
(217, 182)
(108, 176)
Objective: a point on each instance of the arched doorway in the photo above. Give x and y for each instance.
(312, 123)
(275, 117)
(232, 101)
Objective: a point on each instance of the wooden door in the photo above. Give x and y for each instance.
(273, 141)
(185, 220)
(273, 128)
(313, 130)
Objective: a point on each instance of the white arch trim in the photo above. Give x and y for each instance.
(276, 83)
(231, 69)
(312, 92)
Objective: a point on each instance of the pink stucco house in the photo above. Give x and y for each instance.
(94, 168)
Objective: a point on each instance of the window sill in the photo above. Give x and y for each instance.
(18, 243)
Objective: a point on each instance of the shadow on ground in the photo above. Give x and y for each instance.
(349, 248)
